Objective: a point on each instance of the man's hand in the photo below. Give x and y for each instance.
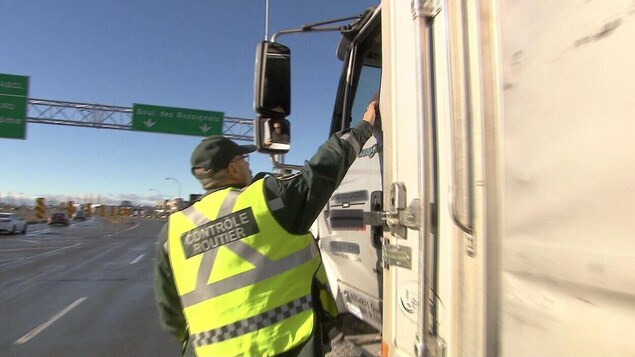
(369, 115)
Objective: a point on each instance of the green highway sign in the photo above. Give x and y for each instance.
(13, 105)
(176, 120)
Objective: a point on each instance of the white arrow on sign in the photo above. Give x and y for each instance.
(149, 123)
(204, 128)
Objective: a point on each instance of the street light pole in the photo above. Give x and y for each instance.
(158, 205)
(177, 182)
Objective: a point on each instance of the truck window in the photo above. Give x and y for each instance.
(364, 81)
(368, 84)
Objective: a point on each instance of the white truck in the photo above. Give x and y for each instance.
(491, 214)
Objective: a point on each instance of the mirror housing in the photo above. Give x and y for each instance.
(272, 80)
(272, 135)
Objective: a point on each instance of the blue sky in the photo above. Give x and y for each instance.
(195, 54)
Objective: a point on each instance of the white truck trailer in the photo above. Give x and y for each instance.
(490, 214)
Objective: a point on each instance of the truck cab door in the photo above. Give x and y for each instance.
(351, 250)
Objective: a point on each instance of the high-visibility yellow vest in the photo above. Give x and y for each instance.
(243, 280)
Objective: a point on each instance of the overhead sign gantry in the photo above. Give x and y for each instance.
(16, 109)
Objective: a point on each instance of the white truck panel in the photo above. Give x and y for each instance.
(532, 145)
(568, 250)
(399, 108)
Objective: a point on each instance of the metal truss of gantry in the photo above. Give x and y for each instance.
(44, 111)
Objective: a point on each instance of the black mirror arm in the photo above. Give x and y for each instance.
(304, 29)
(319, 26)
(281, 166)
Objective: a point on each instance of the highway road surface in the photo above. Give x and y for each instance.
(81, 290)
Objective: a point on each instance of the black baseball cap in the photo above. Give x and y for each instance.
(215, 152)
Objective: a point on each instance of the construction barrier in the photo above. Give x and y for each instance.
(70, 208)
(40, 208)
(125, 211)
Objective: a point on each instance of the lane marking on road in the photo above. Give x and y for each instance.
(46, 324)
(137, 259)
(125, 230)
(31, 241)
(24, 249)
(39, 255)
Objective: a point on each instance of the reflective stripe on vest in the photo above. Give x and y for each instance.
(253, 323)
(236, 286)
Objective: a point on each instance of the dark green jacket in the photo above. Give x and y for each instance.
(302, 196)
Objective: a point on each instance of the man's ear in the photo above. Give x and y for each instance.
(232, 170)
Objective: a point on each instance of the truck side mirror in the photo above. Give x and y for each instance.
(272, 80)
(272, 135)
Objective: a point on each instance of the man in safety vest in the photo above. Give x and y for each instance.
(238, 273)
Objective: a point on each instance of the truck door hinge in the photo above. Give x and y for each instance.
(427, 8)
(433, 346)
(400, 217)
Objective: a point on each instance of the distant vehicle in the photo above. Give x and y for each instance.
(12, 223)
(59, 218)
(79, 216)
